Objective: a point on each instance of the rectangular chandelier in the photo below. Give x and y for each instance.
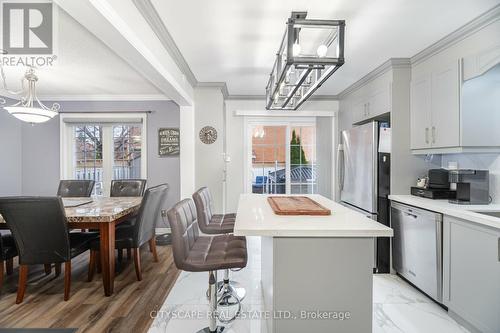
(310, 52)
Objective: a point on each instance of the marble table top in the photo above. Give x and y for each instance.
(101, 209)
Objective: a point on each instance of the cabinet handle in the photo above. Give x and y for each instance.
(427, 135)
(498, 249)
(433, 134)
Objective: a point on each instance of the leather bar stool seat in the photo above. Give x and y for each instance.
(216, 224)
(208, 222)
(220, 224)
(196, 253)
(216, 253)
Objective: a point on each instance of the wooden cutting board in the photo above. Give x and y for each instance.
(296, 205)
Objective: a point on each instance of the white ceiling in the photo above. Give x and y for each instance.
(84, 67)
(235, 41)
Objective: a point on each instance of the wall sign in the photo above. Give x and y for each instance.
(168, 142)
(208, 135)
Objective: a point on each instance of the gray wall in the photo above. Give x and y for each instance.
(10, 154)
(38, 166)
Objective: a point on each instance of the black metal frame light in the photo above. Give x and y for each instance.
(295, 76)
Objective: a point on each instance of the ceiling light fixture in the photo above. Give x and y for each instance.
(310, 52)
(29, 108)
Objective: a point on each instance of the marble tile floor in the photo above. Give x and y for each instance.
(398, 307)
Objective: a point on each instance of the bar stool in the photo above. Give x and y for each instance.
(195, 253)
(217, 224)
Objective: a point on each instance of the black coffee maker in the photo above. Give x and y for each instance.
(438, 186)
(473, 186)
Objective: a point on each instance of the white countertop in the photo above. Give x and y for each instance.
(256, 218)
(465, 212)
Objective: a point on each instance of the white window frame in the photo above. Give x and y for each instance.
(289, 122)
(67, 157)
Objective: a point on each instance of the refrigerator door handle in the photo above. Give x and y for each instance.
(340, 167)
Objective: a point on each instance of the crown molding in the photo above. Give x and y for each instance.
(147, 10)
(221, 85)
(246, 98)
(131, 97)
(380, 70)
(263, 98)
(456, 36)
(324, 98)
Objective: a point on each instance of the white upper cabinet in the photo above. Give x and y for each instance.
(445, 106)
(479, 63)
(435, 106)
(455, 96)
(420, 115)
(371, 100)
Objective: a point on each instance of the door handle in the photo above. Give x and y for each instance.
(427, 135)
(340, 167)
(410, 214)
(433, 134)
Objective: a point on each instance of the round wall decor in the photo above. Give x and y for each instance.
(208, 135)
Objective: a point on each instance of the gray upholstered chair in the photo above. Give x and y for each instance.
(141, 232)
(128, 188)
(196, 253)
(75, 188)
(217, 224)
(41, 234)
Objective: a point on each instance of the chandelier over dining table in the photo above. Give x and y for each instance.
(310, 52)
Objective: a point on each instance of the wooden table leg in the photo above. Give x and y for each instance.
(107, 253)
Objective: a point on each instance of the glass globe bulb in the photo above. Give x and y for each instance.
(296, 49)
(322, 50)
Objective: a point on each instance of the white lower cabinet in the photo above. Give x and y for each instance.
(471, 273)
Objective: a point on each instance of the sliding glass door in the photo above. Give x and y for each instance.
(281, 157)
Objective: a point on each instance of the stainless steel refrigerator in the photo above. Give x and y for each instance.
(364, 184)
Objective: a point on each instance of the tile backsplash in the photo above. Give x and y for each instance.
(489, 162)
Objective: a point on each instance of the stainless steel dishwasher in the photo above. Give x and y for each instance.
(417, 248)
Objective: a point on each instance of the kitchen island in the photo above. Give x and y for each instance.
(316, 270)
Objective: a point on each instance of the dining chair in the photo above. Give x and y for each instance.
(41, 234)
(136, 235)
(128, 188)
(8, 252)
(75, 188)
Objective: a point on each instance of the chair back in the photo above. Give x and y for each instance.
(39, 228)
(149, 213)
(75, 188)
(128, 188)
(185, 231)
(204, 203)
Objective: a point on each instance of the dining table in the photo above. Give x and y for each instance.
(102, 214)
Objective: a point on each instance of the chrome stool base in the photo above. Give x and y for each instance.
(235, 289)
(219, 329)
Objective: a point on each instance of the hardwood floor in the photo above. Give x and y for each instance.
(128, 310)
